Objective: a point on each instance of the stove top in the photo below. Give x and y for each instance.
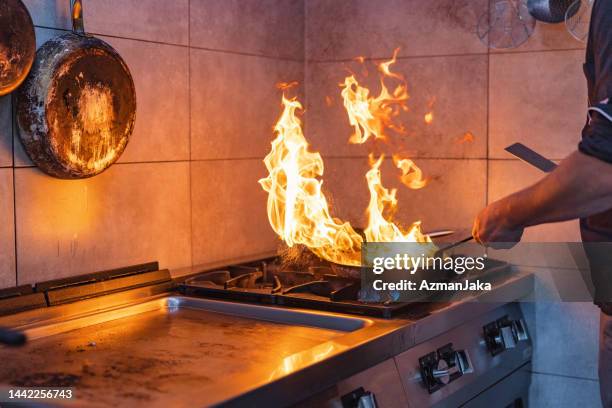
(324, 287)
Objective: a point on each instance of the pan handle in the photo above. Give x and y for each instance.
(76, 10)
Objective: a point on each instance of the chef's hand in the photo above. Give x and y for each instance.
(492, 227)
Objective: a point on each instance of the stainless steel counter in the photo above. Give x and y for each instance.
(141, 349)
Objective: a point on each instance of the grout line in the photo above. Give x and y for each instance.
(246, 54)
(574, 377)
(13, 110)
(519, 160)
(243, 53)
(399, 57)
(411, 157)
(151, 162)
(230, 159)
(189, 130)
(487, 127)
(423, 56)
(535, 51)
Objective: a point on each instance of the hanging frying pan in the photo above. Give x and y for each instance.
(76, 109)
(17, 44)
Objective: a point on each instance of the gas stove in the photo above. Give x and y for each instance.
(231, 339)
(321, 286)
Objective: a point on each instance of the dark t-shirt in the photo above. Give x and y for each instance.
(597, 142)
(597, 133)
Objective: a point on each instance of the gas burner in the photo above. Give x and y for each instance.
(326, 287)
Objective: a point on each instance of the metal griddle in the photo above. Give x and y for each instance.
(148, 353)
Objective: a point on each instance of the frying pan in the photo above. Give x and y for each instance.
(17, 44)
(76, 109)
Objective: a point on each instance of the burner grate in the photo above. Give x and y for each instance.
(319, 287)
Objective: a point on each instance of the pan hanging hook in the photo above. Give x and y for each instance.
(76, 9)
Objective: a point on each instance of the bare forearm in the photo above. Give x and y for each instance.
(579, 187)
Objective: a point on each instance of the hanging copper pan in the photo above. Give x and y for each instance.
(17, 44)
(76, 109)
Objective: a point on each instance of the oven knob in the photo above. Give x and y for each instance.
(367, 401)
(443, 373)
(359, 398)
(444, 366)
(504, 334)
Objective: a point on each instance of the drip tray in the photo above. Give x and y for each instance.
(146, 353)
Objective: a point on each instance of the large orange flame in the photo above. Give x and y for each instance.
(297, 208)
(370, 116)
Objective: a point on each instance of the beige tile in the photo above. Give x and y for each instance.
(560, 391)
(161, 78)
(548, 37)
(564, 320)
(262, 27)
(229, 211)
(343, 29)
(6, 132)
(164, 21)
(235, 103)
(7, 230)
(131, 213)
(454, 195)
(509, 176)
(50, 13)
(455, 85)
(538, 99)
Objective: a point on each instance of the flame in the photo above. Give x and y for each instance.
(383, 200)
(468, 137)
(370, 116)
(297, 208)
(286, 85)
(412, 175)
(429, 116)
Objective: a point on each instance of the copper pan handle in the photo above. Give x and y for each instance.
(76, 11)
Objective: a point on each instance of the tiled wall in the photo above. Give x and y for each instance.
(535, 94)
(185, 191)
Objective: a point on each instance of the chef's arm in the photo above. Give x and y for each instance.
(580, 186)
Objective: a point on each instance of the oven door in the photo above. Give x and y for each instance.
(511, 392)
